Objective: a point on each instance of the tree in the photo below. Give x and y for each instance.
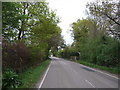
(107, 14)
(10, 20)
(31, 26)
(94, 44)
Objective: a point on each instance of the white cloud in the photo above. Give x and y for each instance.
(69, 11)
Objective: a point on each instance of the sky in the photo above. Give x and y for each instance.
(69, 11)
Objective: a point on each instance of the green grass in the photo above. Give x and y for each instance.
(109, 69)
(32, 75)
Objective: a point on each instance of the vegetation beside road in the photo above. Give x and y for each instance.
(96, 38)
(27, 79)
(32, 75)
(109, 69)
(30, 31)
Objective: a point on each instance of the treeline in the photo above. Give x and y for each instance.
(97, 38)
(29, 32)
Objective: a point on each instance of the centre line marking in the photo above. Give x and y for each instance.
(90, 83)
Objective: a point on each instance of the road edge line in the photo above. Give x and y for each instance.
(96, 70)
(101, 72)
(44, 76)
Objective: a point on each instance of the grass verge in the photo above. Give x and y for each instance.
(109, 69)
(31, 76)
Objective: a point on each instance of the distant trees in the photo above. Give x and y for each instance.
(29, 28)
(97, 37)
(95, 45)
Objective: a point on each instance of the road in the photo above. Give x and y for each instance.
(66, 74)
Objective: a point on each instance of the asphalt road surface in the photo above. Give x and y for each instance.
(66, 74)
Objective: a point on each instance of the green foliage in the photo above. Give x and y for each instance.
(96, 37)
(31, 75)
(68, 52)
(106, 12)
(32, 24)
(103, 51)
(9, 14)
(10, 79)
(95, 45)
(25, 79)
(30, 31)
(37, 55)
(115, 70)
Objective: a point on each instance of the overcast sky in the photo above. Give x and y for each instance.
(69, 11)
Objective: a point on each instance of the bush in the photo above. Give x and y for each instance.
(10, 79)
(15, 56)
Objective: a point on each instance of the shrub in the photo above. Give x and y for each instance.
(15, 56)
(10, 79)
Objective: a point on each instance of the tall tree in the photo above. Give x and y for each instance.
(10, 21)
(107, 14)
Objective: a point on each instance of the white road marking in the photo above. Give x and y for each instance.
(90, 83)
(45, 75)
(96, 70)
(100, 72)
